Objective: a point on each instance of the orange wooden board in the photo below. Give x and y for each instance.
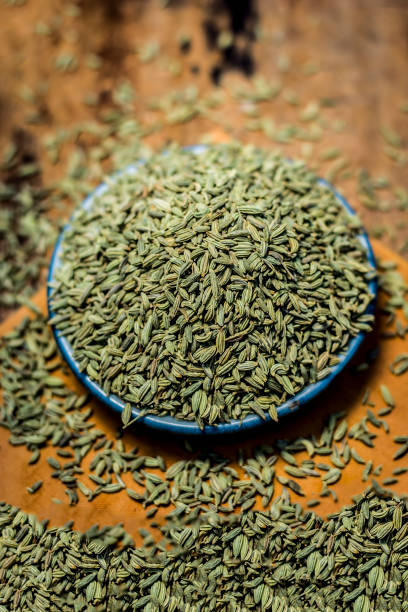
(345, 394)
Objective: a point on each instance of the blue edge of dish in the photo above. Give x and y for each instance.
(184, 427)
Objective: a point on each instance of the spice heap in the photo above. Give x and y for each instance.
(283, 558)
(356, 560)
(211, 286)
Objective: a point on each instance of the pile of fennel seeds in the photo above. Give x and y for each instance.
(209, 287)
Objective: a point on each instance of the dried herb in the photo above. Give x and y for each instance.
(215, 301)
(256, 560)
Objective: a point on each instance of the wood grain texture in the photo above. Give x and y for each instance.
(345, 394)
(360, 49)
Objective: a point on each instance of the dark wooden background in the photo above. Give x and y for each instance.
(360, 48)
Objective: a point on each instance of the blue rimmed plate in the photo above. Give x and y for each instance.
(184, 427)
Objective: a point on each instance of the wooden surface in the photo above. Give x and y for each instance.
(359, 48)
(345, 394)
